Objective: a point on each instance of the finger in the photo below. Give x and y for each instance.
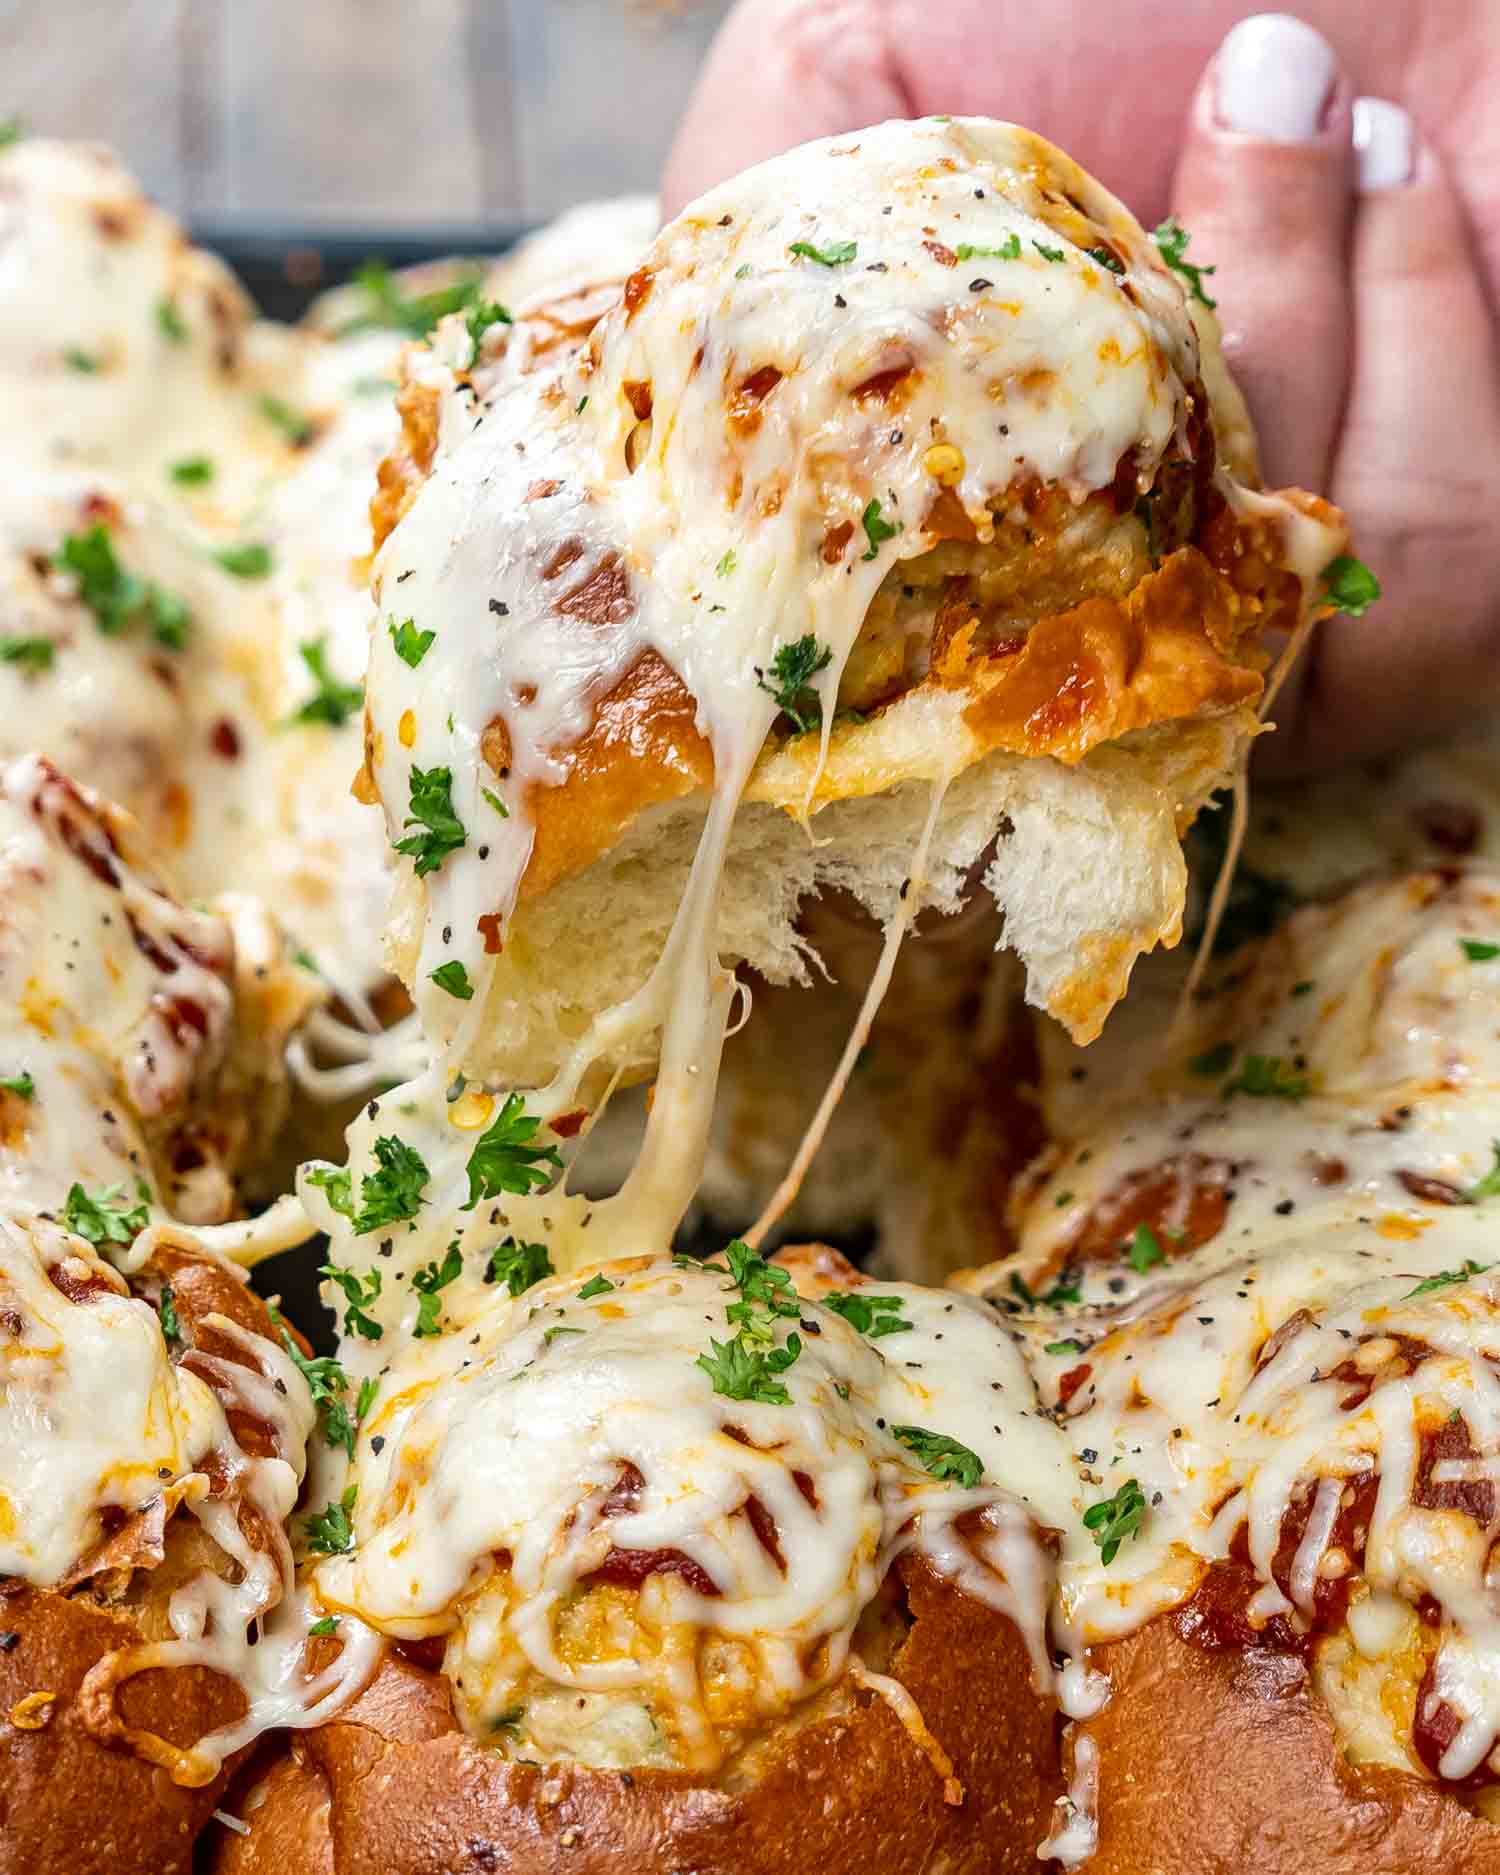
(1265, 188)
(782, 72)
(1418, 466)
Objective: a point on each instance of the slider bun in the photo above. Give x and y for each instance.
(76, 1794)
(610, 527)
(845, 1790)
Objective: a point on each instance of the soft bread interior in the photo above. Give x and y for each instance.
(1087, 870)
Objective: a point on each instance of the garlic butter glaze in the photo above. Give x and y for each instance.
(543, 1446)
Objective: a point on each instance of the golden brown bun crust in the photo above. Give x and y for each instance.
(69, 1799)
(68, 1802)
(287, 1811)
(851, 1795)
(1227, 1761)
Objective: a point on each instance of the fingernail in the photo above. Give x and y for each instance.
(1273, 77)
(1384, 146)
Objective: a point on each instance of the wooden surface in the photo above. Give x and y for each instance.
(367, 114)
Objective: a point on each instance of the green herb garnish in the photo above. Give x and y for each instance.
(1116, 1518)
(836, 254)
(504, 1159)
(105, 1216)
(393, 1193)
(792, 671)
(877, 529)
(411, 645)
(432, 809)
(192, 471)
(360, 1294)
(519, 1265)
(1172, 240)
(32, 654)
(1349, 586)
(454, 978)
(250, 560)
(332, 702)
(330, 1531)
(873, 1316)
(428, 1283)
(1268, 1077)
(943, 1457)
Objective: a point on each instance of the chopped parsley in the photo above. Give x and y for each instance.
(870, 1315)
(333, 1180)
(1144, 1249)
(166, 1310)
(21, 1085)
(1110, 262)
(1268, 1077)
(836, 254)
(1489, 1185)
(171, 322)
(1050, 253)
(792, 671)
(192, 471)
(428, 1284)
(1172, 240)
(747, 1366)
(943, 1457)
(329, 1624)
(1477, 951)
(332, 702)
(1445, 1277)
(1213, 1061)
(119, 599)
(596, 1286)
(504, 1159)
(1062, 1292)
(453, 978)
(299, 430)
(12, 129)
(330, 1531)
(388, 304)
(32, 654)
(489, 312)
(328, 1384)
(555, 1331)
(494, 800)
(519, 1265)
(1349, 586)
(77, 359)
(411, 645)
(1009, 249)
(104, 1216)
(432, 809)
(360, 1294)
(1063, 1347)
(509, 1721)
(393, 1193)
(877, 529)
(1115, 1518)
(728, 561)
(250, 560)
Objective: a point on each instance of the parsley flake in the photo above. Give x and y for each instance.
(494, 800)
(1446, 1277)
(393, 1193)
(1213, 1061)
(1349, 586)
(1050, 253)
(119, 599)
(250, 560)
(1489, 1185)
(428, 1283)
(1110, 262)
(360, 1294)
(21, 1085)
(388, 304)
(1144, 1249)
(432, 808)
(504, 1159)
(411, 645)
(31, 654)
(299, 430)
(328, 1384)
(596, 1286)
(1478, 951)
(330, 1531)
(727, 563)
(872, 1316)
(104, 1216)
(171, 322)
(332, 702)
(792, 671)
(166, 1310)
(519, 1265)
(836, 254)
(329, 1624)
(1115, 1518)
(192, 471)
(1172, 240)
(1009, 249)
(877, 529)
(333, 1180)
(489, 312)
(1268, 1077)
(453, 978)
(943, 1457)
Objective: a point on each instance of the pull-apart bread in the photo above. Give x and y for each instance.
(875, 533)
(153, 1418)
(1258, 1296)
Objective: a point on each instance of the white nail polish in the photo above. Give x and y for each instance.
(1273, 77)
(1384, 147)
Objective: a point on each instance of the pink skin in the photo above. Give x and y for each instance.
(1360, 323)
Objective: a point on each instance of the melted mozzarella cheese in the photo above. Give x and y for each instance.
(93, 1414)
(507, 1432)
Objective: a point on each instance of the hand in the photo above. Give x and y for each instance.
(1356, 241)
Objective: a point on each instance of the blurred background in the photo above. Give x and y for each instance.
(379, 116)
